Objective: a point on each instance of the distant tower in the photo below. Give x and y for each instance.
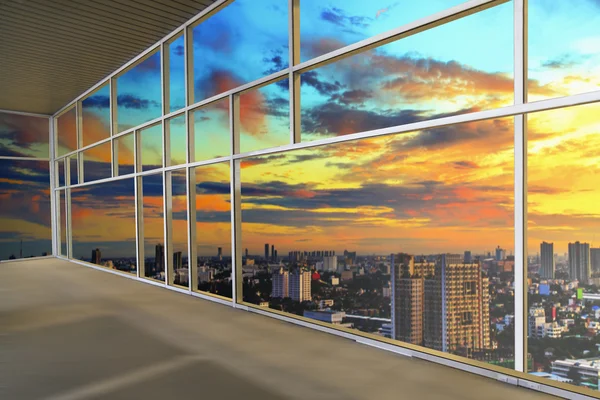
(159, 257)
(266, 251)
(273, 252)
(547, 267)
(220, 253)
(246, 252)
(96, 256)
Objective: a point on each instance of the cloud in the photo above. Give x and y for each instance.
(339, 17)
(179, 50)
(311, 78)
(131, 101)
(22, 132)
(98, 101)
(356, 96)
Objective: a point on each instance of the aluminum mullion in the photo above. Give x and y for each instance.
(53, 225)
(235, 198)
(165, 77)
(294, 59)
(168, 227)
(190, 187)
(68, 228)
(24, 158)
(139, 209)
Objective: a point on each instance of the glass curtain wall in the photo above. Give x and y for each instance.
(402, 172)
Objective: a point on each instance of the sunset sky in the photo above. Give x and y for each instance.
(447, 189)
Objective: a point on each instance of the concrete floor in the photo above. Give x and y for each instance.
(71, 332)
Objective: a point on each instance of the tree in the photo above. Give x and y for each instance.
(574, 375)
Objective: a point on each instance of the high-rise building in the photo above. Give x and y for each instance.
(579, 261)
(299, 286)
(220, 253)
(280, 281)
(159, 257)
(547, 267)
(595, 259)
(500, 254)
(456, 307)
(96, 256)
(246, 252)
(330, 263)
(177, 260)
(272, 252)
(468, 259)
(275, 256)
(266, 251)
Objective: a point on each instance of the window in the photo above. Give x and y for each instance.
(236, 46)
(139, 93)
(97, 162)
(175, 74)
(124, 153)
(72, 160)
(151, 147)
(95, 120)
(210, 129)
(23, 136)
(177, 136)
(213, 228)
(103, 223)
(436, 73)
(152, 227)
(66, 131)
(178, 252)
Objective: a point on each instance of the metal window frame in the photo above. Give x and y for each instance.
(519, 110)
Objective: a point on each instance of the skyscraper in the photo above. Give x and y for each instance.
(220, 253)
(246, 252)
(266, 251)
(272, 252)
(468, 259)
(456, 307)
(280, 287)
(177, 260)
(595, 259)
(547, 257)
(330, 263)
(299, 286)
(159, 257)
(500, 254)
(96, 256)
(579, 261)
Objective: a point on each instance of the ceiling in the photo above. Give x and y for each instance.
(52, 51)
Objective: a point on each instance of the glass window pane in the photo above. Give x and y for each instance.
(176, 65)
(213, 228)
(392, 236)
(25, 225)
(61, 172)
(211, 131)
(179, 239)
(73, 169)
(95, 122)
(153, 233)
(265, 117)
(63, 223)
(151, 147)
(459, 67)
(563, 48)
(103, 221)
(237, 45)
(66, 127)
(177, 140)
(23, 136)
(139, 94)
(125, 153)
(96, 163)
(329, 25)
(563, 251)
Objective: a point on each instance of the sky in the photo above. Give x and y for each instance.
(460, 67)
(24, 136)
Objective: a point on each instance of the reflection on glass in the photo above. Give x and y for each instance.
(177, 140)
(25, 228)
(72, 160)
(95, 122)
(243, 42)
(265, 117)
(103, 224)
(97, 163)
(23, 136)
(563, 48)
(139, 94)
(408, 236)
(124, 146)
(151, 147)
(153, 221)
(213, 228)
(330, 25)
(563, 252)
(178, 253)
(459, 67)
(211, 131)
(63, 223)
(66, 127)
(61, 172)
(176, 71)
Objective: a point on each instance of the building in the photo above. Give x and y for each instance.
(96, 256)
(588, 368)
(205, 274)
(329, 316)
(159, 257)
(347, 276)
(246, 252)
(407, 300)
(536, 319)
(330, 263)
(177, 260)
(325, 304)
(468, 259)
(595, 260)
(334, 281)
(299, 286)
(547, 260)
(220, 253)
(280, 288)
(456, 307)
(386, 331)
(500, 254)
(579, 262)
(272, 253)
